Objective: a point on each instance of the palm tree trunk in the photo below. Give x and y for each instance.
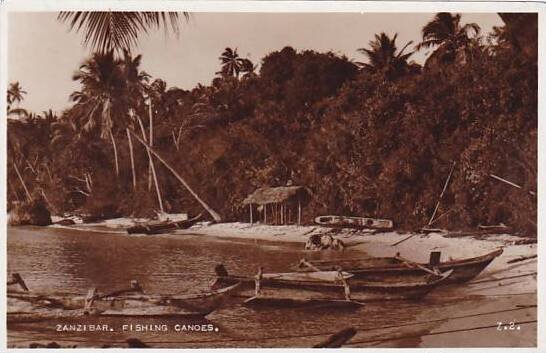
(115, 152)
(151, 123)
(29, 197)
(212, 212)
(151, 165)
(132, 157)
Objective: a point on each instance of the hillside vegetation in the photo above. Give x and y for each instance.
(377, 138)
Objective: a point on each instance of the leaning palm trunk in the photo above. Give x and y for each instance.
(212, 212)
(151, 140)
(29, 197)
(151, 165)
(115, 152)
(132, 158)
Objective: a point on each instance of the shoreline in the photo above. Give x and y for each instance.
(417, 248)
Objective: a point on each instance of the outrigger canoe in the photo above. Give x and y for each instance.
(162, 227)
(354, 222)
(328, 285)
(128, 302)
(381, 267)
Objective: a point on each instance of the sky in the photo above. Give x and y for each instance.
(43, 54)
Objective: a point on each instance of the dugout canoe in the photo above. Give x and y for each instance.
(129, 303)
(323, 285)
(354, 222)
(381, 267)
(162, 227)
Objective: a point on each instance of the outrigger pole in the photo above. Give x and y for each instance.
(215, 215)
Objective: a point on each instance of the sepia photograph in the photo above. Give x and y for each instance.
(181, 178)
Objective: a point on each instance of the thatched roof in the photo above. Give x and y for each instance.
(267, 195)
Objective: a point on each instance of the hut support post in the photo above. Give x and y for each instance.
(250, 206)
(299, 212)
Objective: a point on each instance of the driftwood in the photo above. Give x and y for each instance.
(337, 339)
(522, 258)
(17, 279)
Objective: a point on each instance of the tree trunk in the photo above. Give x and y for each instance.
(151, 140)
(151, 164)
(132, 158)
(115, 152)
(29, 197)
(213, 213)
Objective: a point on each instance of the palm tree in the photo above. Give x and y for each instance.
(248, 68)
(105, 31)
(101, 96)
(384, 58)
(231, 63)
(136, 82)
(446, 33)
(15, 94)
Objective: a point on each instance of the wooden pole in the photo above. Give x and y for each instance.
(212, 212)
(441, 194)
(250, 206)
(510, 183)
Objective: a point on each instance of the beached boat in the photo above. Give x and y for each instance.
(382, 267)
(276, 302)
(329, 285)
(354, 222)
(129, 302)
(162, 227)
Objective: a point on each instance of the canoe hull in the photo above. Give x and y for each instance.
(277, 302)
(354, 222)
(359, 290)
(128, 305)
(379, 268)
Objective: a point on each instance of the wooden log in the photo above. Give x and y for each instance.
(17, 279)
(337, 339)
(522, 258)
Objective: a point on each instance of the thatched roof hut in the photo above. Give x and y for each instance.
(283, 201)
(281, 194)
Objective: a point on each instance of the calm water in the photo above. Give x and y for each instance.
(64, 260)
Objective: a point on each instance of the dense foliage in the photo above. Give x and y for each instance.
(376, 139)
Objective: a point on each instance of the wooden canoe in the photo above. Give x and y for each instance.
(381, 267)
(363, 291)
(162, 227)
(127, 304)
(278, 302)
(354, 222)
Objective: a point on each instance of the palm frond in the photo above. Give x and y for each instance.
(109, 30)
